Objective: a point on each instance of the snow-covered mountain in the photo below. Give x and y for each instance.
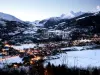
(11, 26)
(67, 26)
(56, 20)
(8, 17)
(35, 24)
(72, 14)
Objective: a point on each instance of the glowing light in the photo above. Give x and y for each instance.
(32, 59)
(7, 45)
(31, 62)
(3, 50)
(37, 58)
(15, 65)
(22, 51)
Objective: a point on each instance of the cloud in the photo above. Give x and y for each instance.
(98, 8)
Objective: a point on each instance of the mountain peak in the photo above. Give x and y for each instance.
(71, 14)
(8, 17)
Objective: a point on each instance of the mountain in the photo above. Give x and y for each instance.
(92, 21)
(8, 17)
(11, 26)
(86, 24)
(49, 22)
(37, 23)
(53, 21)
(73, 26)
(72, 14)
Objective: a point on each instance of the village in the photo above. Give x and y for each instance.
(33, 55)
(39, 51)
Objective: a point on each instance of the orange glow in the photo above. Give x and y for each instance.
(7, 45)
(22, 51)
(3, 50)
(32, 59)
(46, 72)
(31, 62)
(37, 58)
(15, 65)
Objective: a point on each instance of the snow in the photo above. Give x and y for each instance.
(29, 32)
(54, 18)
(76, 48)
(14, 59)
(71, 14)
(82, 18)
(57, 32)
(8, 17)
(70, 48)
(3, 23)
(36, 23)
(24, 46)
(87, 58)
(11, 33)
(96, 13)
(85, 40)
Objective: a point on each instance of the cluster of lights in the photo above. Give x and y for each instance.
(34, 59)
(7, 45)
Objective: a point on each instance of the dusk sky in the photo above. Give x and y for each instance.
(30, 10)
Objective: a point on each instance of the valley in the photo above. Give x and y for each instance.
(73, 41)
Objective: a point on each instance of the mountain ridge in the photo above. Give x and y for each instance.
(86, 24)
(8, 17)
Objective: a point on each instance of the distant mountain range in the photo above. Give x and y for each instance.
(87, 23)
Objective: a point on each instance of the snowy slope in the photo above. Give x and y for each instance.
(8, 17)
(87, 58)
(14, 59)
